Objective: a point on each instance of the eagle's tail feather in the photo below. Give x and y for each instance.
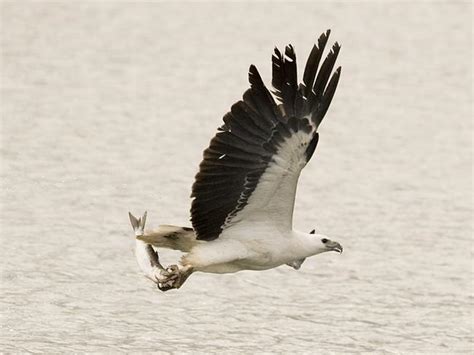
(170, 237)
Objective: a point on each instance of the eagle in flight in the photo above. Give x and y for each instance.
(244, 193)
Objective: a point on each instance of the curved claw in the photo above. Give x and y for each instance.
(169, 278)
(164, 288)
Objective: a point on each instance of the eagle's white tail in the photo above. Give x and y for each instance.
(165, 236)
(171, 237)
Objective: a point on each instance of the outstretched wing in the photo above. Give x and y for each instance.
(253, 163)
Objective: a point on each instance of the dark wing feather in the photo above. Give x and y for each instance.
(290, 87)
(312, 63)
(254, 130)
(278, 74)
(319, 94)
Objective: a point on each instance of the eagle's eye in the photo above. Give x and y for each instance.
(324, 240)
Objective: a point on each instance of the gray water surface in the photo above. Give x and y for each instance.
(107, 106)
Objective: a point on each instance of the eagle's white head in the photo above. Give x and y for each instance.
(326, 244)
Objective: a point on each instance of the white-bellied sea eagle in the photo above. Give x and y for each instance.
(244, 192)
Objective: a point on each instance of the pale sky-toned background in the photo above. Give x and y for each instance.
(107, 106)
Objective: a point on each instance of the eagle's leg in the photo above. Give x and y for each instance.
(173, 277)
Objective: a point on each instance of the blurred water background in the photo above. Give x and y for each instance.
(107, 106)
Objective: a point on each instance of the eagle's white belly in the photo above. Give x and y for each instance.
(256, 251)
(255, 262)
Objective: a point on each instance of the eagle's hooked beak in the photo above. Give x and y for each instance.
(334, 246)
